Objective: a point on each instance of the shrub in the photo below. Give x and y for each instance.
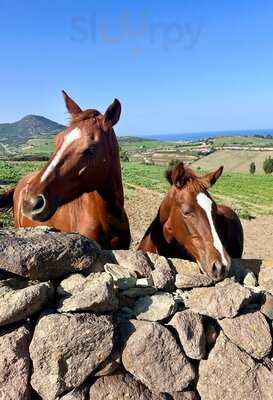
(268, 165)
(252, 168)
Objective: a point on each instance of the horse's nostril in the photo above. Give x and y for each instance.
(39, 205)
(214, 270)
(218, 270)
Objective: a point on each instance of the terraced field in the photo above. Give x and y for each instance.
(233, 160)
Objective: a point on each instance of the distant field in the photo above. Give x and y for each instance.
(242, 141)
(233, 160)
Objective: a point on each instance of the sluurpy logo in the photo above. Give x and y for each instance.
(139, 30)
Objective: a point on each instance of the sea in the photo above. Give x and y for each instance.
(204, 135)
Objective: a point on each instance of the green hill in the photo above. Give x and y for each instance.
(28, 127)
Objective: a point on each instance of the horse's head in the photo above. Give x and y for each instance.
(84, 154)
(191, 219)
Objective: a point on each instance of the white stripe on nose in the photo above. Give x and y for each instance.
(75, 134)
(205, 202)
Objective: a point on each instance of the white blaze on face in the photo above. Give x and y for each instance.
(75, 134)
(205, 202)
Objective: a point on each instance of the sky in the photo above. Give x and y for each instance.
(176, 66)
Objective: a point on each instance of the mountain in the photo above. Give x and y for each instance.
(28, 127)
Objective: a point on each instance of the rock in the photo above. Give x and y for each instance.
(163, 275)
(220, 301)
(134, 261)
(15, 364)
(42, 255)
(123, 278)
(186, 395)
(267, 306)
(19, 299)
(189, 327)
(108, 367)
(78, 393)
(94, 293)
(145, 282)
(152, 355)
(66, 348)
(231, 374)
(250, 332)
(189, 281)
(266, 277)
(184, 266)
(139, 292)
(121, 386)
(250, 280)
(156, 307)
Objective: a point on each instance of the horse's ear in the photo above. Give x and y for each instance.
(112, 114)
(176, 175)
(71, 106)
(210, 179)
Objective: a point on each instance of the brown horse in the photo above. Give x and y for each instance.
(80, 188)
(190, 225)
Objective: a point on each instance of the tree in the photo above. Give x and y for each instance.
(268, 165)
(252, 168)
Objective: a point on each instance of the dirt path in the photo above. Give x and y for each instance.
(142, 205)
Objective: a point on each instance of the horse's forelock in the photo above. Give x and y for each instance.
(191, 181)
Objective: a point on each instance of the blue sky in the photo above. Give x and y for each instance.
(176, 66)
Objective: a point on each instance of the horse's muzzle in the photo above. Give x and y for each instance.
(37, 208)
(217, 270)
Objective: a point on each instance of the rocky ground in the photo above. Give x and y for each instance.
(78, 323)
(142, 206)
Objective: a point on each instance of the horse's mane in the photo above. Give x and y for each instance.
(181, 175)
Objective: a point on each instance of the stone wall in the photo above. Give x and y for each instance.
(80, 323)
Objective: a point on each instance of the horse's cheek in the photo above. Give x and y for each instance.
(167, 232)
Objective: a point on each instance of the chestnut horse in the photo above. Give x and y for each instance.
(190, 225)
(80, 188)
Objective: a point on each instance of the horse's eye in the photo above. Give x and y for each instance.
(89, 152)
(187, 212)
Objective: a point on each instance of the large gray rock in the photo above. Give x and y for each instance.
(186, 395)
(267, 306)
(231, 374)
(250, 332)
(266, 276)
(94, 293)
(152, 355)
(78, 393)
(19, 299)
(135, 261)
(123, 278)
(45, 254)
(66, 348)
(156, 307)
(15, 364)
(162, 275)
(184, 266)
(220, 301)
(189, 327)
(121, 386)
(189, 281)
